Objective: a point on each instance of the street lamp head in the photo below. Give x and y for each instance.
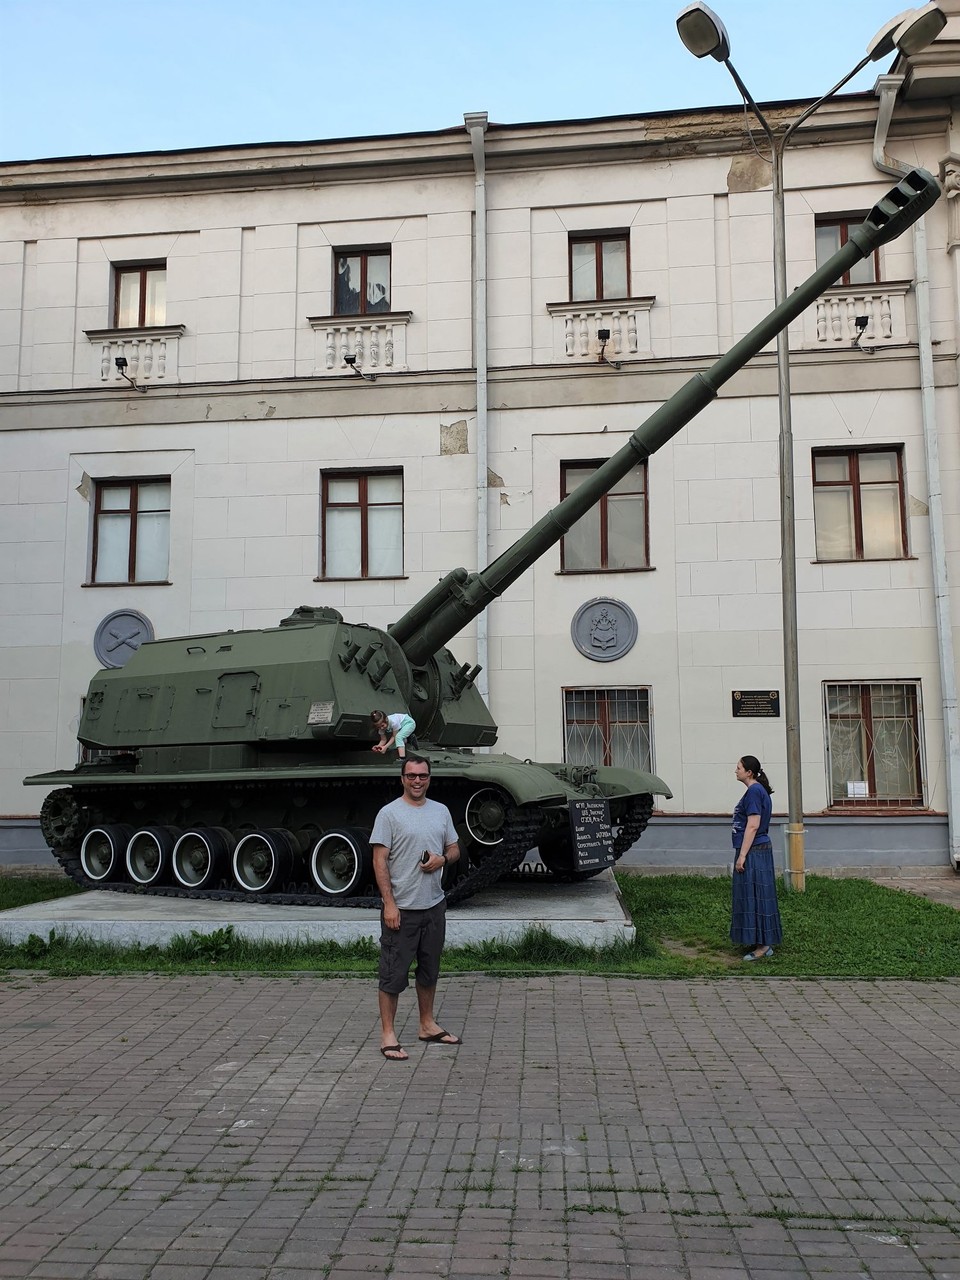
(908, 32)
(883, 43)
(919, 28)
(702, 32)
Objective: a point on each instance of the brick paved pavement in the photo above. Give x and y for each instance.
(246, 1128)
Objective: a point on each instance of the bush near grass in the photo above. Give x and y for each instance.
(843, 928)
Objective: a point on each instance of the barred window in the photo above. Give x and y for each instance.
(874, 743)
(608, 727)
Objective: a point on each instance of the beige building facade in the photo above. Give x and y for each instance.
(348, 367)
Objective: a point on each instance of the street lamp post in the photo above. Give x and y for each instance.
(704, 35)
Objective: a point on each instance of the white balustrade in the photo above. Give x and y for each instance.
(379, 342)
(882, 306)
(575, 328)
(151, 356)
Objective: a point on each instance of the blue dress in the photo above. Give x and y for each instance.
(755, 920)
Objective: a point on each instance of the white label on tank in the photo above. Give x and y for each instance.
(320, 713)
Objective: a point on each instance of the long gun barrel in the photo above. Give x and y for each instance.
(460, 597)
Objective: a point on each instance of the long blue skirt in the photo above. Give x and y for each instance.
(756, 917)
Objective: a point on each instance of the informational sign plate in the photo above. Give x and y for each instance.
(756, 702)
(320, 713)
(591, 834)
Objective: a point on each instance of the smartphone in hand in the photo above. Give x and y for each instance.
(425, 857)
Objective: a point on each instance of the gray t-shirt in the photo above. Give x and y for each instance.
(406, 830)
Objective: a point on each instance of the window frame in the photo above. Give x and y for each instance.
(846, 222)
(855, 484)
(121, 269)
(872, 801)
(132, 483)
(364, 252)
(598, 238)
(604, 696)
(362, 476)
(603, 505)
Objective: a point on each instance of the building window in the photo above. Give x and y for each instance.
(613, 534)
(362, 283)
(362, 520)
(873, 744)
(831, 236)
(141, 296)
(599, 266)
(858, 506)
(131, 531)
(607, 726)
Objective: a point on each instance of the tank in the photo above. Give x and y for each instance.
(238, 764)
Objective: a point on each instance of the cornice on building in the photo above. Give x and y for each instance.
(453, 391)
(550, 144)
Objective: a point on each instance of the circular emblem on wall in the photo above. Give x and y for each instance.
(120, 635)
(604, 629)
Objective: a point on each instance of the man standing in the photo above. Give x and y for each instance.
(413, 839)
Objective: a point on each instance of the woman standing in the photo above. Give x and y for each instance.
(756, 917)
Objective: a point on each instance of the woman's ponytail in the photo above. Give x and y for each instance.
(752, 765)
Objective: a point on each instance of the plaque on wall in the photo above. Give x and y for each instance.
(603, 629)
(756, 702)
(120, 635)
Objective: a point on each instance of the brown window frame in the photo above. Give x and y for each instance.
(363, 252)
(362, 476)
(855, 484)
(598, 238)
(121, 269)
(603, 504)
(133, 484)
(846, 223)
(604, 697)
(866, 718)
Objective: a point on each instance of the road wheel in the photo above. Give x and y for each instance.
(341, 863)
(102, 852)
(148, 854)
(263, 860)
(199, 857)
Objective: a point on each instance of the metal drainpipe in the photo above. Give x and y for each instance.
(476, 124)
(887, 88)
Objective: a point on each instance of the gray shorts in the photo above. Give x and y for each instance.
(419, 937)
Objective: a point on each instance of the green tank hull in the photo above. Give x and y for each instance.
(298, 833)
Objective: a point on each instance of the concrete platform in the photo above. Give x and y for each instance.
(590, 913)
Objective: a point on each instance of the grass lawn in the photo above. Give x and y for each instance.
(845, 928)
(22, 890)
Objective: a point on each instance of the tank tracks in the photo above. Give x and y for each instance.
(63, 823)
(633, 825)
(630, 829)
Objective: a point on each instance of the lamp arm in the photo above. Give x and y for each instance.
(805, 115)
(748, 99)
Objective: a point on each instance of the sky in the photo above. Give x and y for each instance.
(92, 79)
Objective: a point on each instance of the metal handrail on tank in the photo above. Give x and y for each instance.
(460, 596)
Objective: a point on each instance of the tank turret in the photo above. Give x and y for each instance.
(239, 762)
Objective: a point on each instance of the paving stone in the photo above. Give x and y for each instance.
(589, 1127)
